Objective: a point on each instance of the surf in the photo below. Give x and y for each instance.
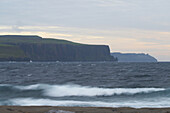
(78, 90)
(151, 103)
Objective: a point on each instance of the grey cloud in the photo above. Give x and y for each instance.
(101, 15)
(145, 14)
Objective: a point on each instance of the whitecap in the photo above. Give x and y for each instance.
(160, 103)
(77, 90)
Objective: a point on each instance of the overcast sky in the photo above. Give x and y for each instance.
(141, 26)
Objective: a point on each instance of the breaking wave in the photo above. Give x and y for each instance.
(161, 102)
(60, 95)
(77, 90)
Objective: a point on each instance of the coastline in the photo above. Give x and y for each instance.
(46, 109)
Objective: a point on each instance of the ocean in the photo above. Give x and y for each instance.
(85, 84)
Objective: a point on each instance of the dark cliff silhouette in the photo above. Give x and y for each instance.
(35, 48)
(133, 57)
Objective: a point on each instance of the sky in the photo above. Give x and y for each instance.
(128, 26)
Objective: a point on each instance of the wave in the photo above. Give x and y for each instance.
(151, 103)
(77, 90)
(42, 94)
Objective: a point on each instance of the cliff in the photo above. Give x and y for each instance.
(35, 48)
(133, 57)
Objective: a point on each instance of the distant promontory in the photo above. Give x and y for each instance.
(134, 57)
(35, 48)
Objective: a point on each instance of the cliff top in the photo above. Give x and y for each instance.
(32, 39)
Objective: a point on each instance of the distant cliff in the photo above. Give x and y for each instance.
(133, 57)
(35, 48)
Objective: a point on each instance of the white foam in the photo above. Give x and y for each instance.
(151, 103)
(1, 85)
(31, 87)
(77, 90)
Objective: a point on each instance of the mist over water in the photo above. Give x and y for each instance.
(101, 84)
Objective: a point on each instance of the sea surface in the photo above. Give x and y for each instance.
(87, 84)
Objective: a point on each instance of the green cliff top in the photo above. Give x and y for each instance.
(15, 39)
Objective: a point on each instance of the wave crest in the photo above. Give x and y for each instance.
(77, 90)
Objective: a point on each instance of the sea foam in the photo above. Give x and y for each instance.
(151, 103)
(77, 90)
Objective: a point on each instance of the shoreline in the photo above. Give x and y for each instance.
(46, 109)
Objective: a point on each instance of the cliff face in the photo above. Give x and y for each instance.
(64, 52)
(133, 57)
(38, 49)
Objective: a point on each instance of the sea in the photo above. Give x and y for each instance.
(85, 84)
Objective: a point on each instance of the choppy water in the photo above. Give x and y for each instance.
(100, 84)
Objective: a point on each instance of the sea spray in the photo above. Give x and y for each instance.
(77, 90)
